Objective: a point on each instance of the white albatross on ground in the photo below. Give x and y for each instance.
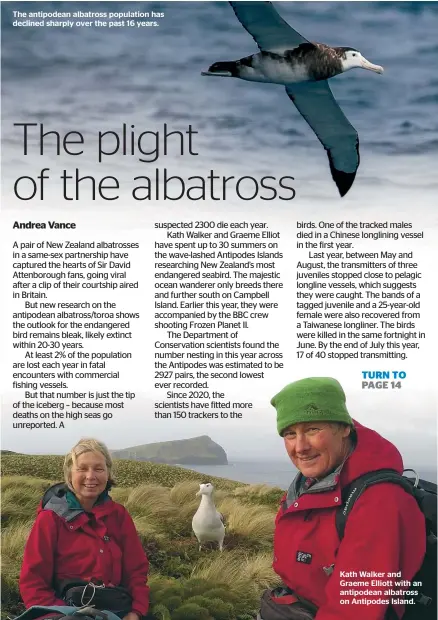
(207, 522)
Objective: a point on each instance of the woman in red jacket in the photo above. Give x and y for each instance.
(385, 532)
(80, 533)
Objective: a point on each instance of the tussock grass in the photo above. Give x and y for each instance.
(220, 494)
(184, 497)
(253, 489)
(259, 494)
(14, 482)
(120, 494)
(248, 520)
(20, 497)
(222, 569)
(222, 601)
(184, 492)
(154, 503)
(236, 570)
(162, 613)
(19, 503)
(150, 500)
(233, 580)
(13, 539)
(146, 529)
(258, 569)
(184, 516)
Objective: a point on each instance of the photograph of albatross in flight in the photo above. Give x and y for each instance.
(288, 58)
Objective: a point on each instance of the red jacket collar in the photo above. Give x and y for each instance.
(372, 452)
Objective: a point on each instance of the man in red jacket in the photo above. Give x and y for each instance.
(385, 532)
(80, 533)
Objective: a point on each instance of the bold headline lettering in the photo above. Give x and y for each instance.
(146, 147)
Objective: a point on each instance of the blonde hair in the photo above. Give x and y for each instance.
(87, 445)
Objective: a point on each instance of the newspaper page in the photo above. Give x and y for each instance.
(219, 262)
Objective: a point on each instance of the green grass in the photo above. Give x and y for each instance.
(186, 584)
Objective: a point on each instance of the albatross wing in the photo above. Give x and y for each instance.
(315, 102)
(267, 28)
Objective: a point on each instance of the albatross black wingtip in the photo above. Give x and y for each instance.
(343, 180)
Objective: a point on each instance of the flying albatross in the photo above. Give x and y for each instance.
(289, 59)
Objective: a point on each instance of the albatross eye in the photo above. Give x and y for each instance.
(354, 54)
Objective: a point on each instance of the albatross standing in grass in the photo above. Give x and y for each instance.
(207, 522)
(288, 58)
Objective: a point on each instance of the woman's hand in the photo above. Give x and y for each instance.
(132, 616)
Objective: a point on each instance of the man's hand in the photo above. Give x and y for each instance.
(132, 616)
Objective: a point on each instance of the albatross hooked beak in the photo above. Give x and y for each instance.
(221, 69)
(366, 64)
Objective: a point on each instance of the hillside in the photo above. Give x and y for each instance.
(126, 472)
(196, 451)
